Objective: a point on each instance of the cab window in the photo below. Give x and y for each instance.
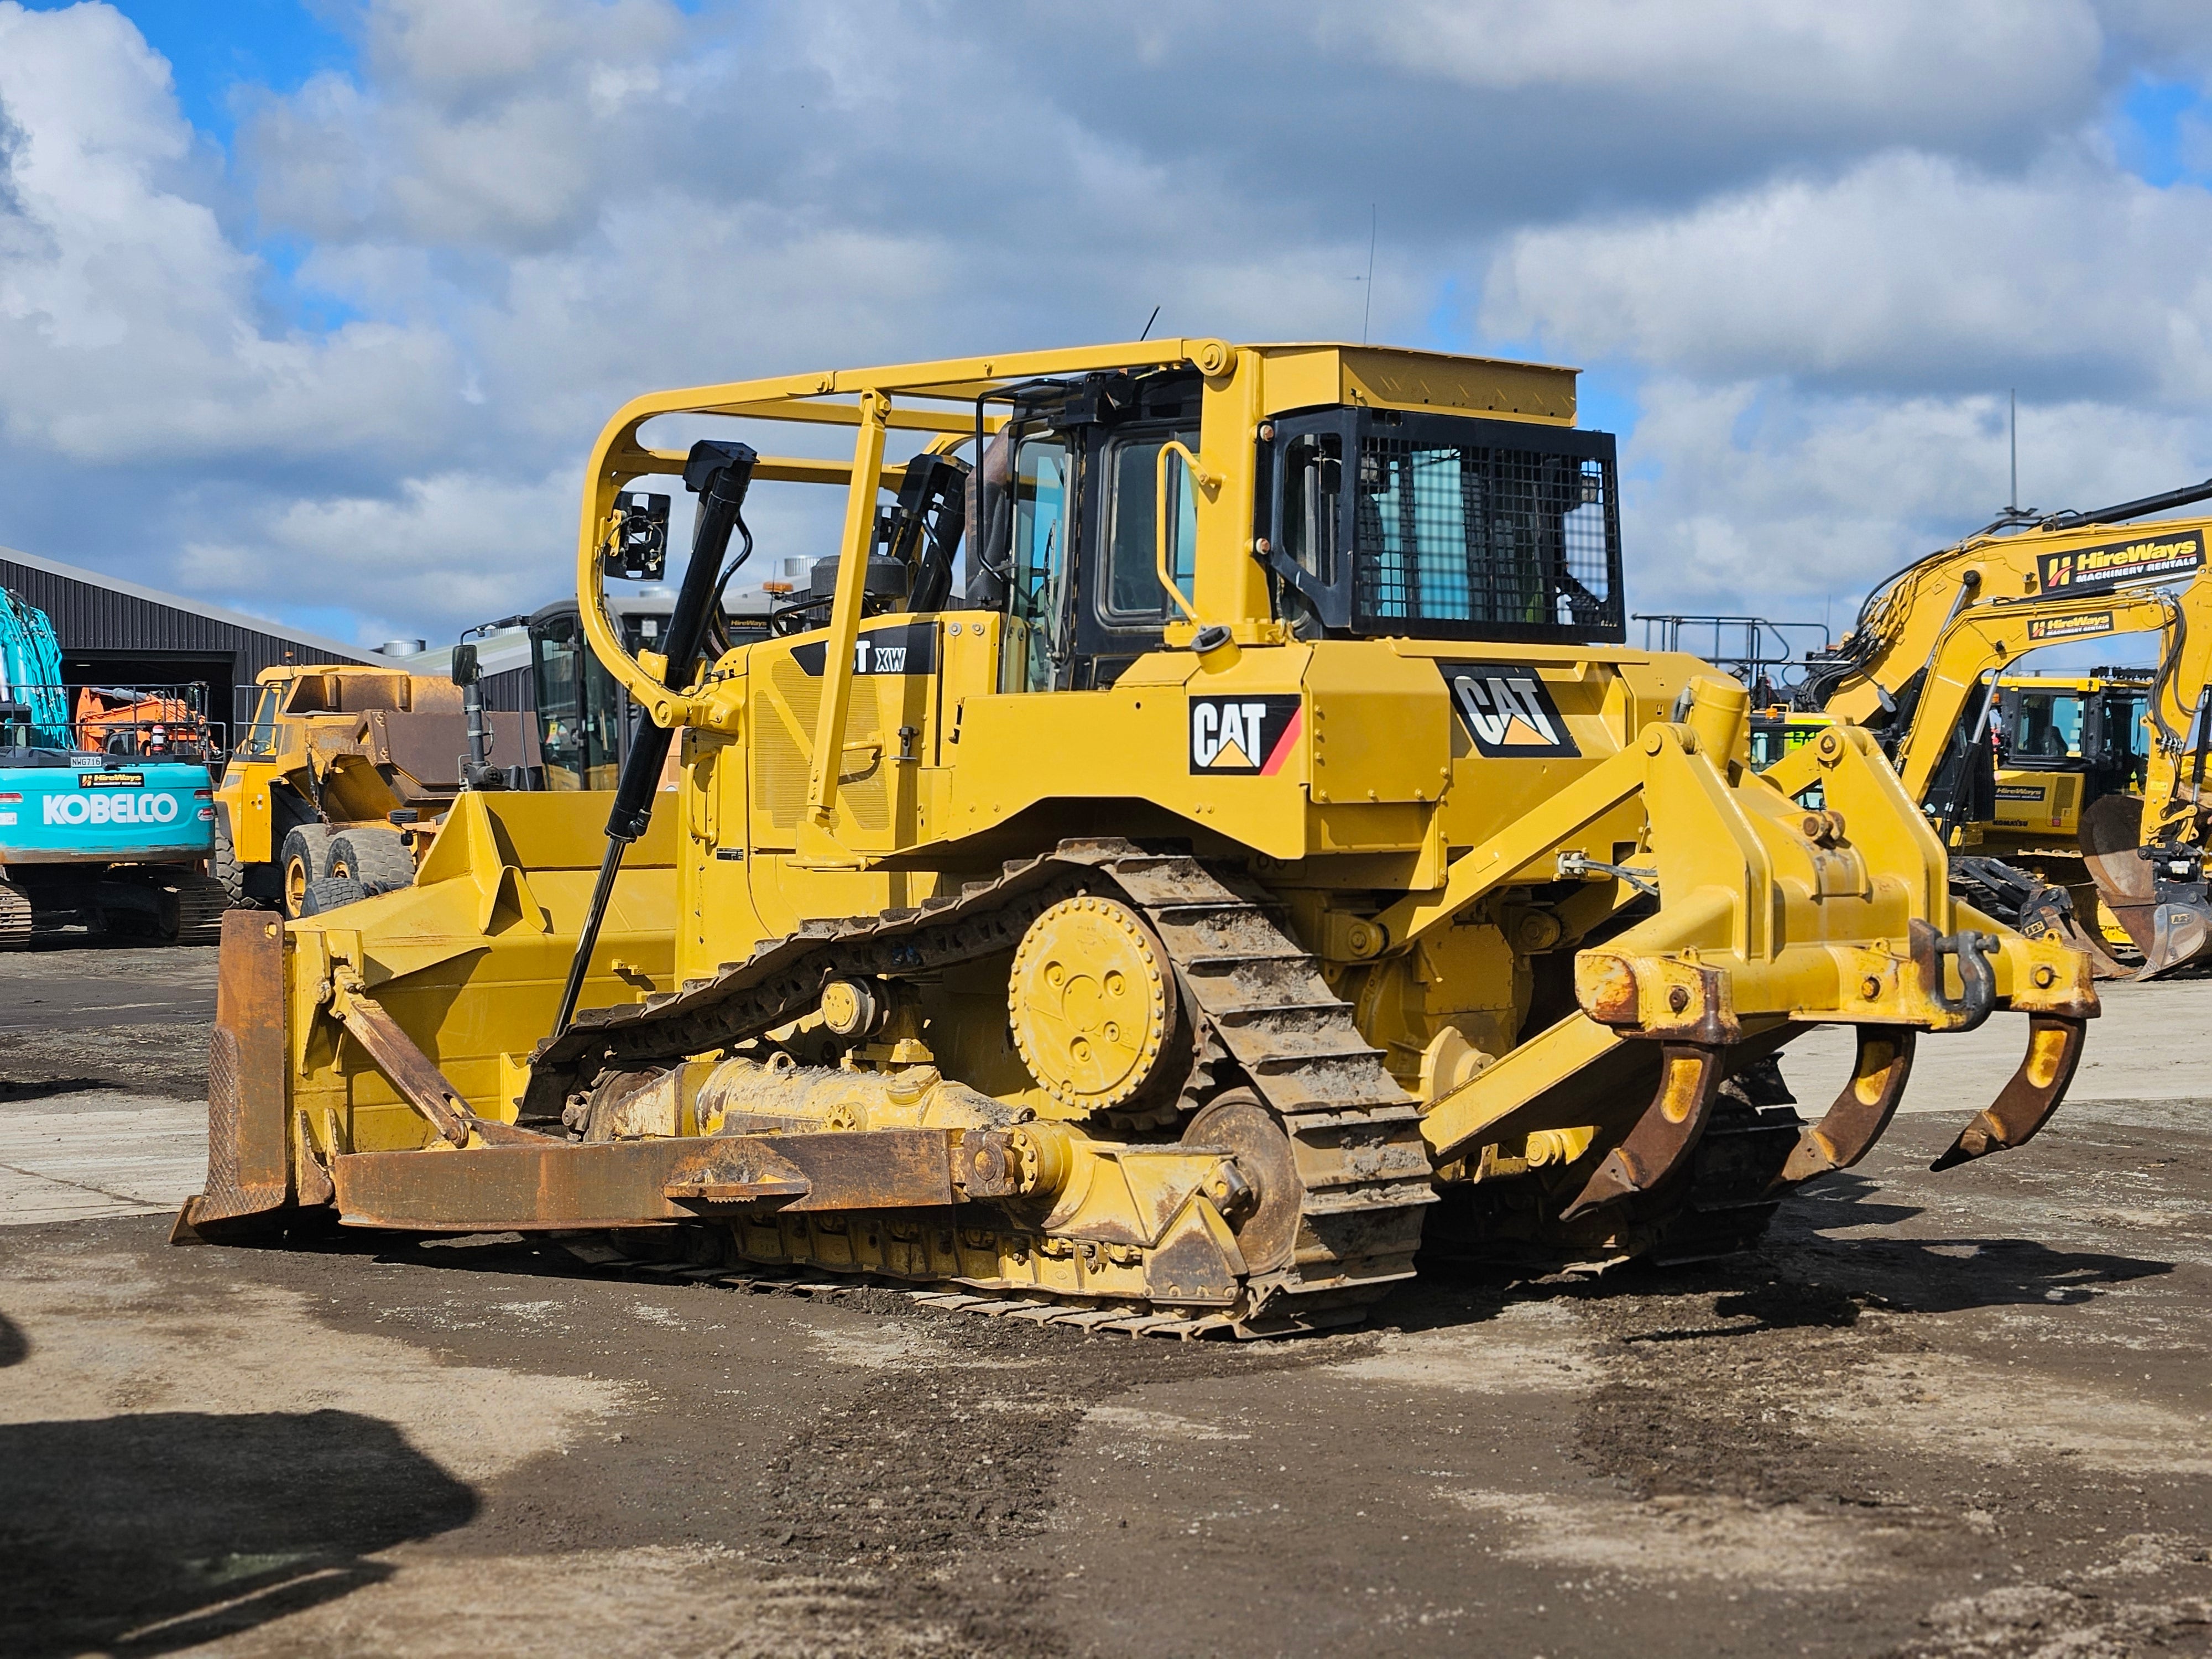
(261, 735)
(1131, 589)
(1036, 599)
(2046, 726)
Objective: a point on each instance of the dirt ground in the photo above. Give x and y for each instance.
(1964, 1414)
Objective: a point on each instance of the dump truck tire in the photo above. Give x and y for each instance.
(223, 865)
(377, 858)
(329, 892)
(304, 859)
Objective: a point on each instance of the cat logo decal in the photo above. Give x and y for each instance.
(1507, 710)
(1244, 737)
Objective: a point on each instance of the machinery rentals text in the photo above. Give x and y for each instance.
(1199, 841)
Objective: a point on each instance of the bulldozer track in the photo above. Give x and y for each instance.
(1355, 1134)
(946, 1296)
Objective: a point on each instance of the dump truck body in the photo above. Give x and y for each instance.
(334, 764)
(1269, 857)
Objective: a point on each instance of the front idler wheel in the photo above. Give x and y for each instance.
(1265, 1214)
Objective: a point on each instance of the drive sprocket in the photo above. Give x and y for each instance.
(1091, 999)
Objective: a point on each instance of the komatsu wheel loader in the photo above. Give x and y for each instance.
(2113, 825)
(1199, 838)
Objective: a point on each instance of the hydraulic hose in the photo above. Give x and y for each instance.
(719, 473)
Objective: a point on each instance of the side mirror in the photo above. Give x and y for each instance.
(638, 549)
(464, 665)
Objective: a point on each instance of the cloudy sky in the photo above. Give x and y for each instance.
(313, 309)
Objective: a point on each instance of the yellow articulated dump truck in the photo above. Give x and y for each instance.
(1197, 839)
(338, 764)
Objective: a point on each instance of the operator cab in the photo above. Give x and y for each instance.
(1369, 522)
(2095, 728)
(1069, 547)
(585, 718)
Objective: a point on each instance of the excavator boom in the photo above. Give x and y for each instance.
(1927, 666)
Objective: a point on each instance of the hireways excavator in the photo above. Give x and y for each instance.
(1200, 837)
(2087, 813)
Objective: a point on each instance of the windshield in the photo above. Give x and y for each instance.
(261, 737)
(579, 712)
(2045, 725)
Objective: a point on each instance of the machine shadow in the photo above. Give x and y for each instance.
(49, 1088)
(147, 1533)
(1795, 1277)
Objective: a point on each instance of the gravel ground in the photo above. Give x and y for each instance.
(1965, 1415)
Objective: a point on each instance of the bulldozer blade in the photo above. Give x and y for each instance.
(248, 1169)
(633, 1184)
(1690, 1076)
(2028, 1100)
(1861, 1112)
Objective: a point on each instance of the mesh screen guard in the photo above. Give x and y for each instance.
(1449, 527)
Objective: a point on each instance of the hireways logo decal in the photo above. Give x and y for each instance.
(2069, 627)
(92, 808)
(1242, 737)
(2145, 559)
(1507, 710)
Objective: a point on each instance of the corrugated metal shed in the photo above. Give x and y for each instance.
(117, 632)
(93, 612)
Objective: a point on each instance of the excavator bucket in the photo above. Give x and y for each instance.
(2163, 908)
(2039, 908)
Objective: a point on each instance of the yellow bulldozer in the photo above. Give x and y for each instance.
(2068, 801)
(1198, 838)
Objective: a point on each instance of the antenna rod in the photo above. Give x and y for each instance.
(1149, 321)
(2014, 507)
(1367, 311)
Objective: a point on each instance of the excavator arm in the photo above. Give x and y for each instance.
(1931, 642)
(1874, 676)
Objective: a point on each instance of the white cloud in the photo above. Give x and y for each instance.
(453, 545)
(1758, 495)
(130, 324)
(1909, 270)
(1825, 238)
(1893, 66)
